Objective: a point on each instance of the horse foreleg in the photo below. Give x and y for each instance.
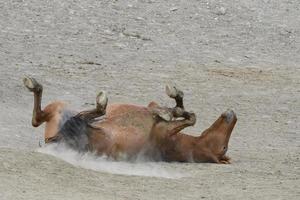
(170, 113)
(176, 94)
(176, 126)
(170, 128)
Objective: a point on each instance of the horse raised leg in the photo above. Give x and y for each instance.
(77, 131)
(51, 114)
(56, 113)
(176, 94)
(169, 114)
(38, 116)
(100, 110)
(174, 127)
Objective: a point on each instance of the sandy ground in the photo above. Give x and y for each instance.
(243, 55)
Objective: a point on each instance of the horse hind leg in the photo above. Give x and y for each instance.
(38, 116)
(101, 101)
(51, 114)
(100, 110)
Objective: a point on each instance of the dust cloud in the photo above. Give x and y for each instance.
(88, 160)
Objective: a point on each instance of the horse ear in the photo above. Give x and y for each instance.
(153, 104)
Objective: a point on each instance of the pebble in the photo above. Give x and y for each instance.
(221, 11)
(174, 9)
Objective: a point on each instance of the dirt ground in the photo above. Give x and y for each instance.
(243, 55)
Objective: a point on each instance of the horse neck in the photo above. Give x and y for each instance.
(186, 145)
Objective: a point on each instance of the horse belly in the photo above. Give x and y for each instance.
(126, 128)
(128, 142)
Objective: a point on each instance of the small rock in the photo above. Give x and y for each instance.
(174, 9)
(221, 11)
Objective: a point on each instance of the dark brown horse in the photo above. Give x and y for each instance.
(125, 131)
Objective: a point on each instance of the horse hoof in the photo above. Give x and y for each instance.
(101, 99)
(173, 92)
(165, 116)
(32, 85)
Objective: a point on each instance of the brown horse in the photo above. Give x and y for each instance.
(125, 131)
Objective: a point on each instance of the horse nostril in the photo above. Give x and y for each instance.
(224, 150)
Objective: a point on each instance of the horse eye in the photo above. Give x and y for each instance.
(224, 148)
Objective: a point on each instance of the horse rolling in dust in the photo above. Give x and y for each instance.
(124, 131)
